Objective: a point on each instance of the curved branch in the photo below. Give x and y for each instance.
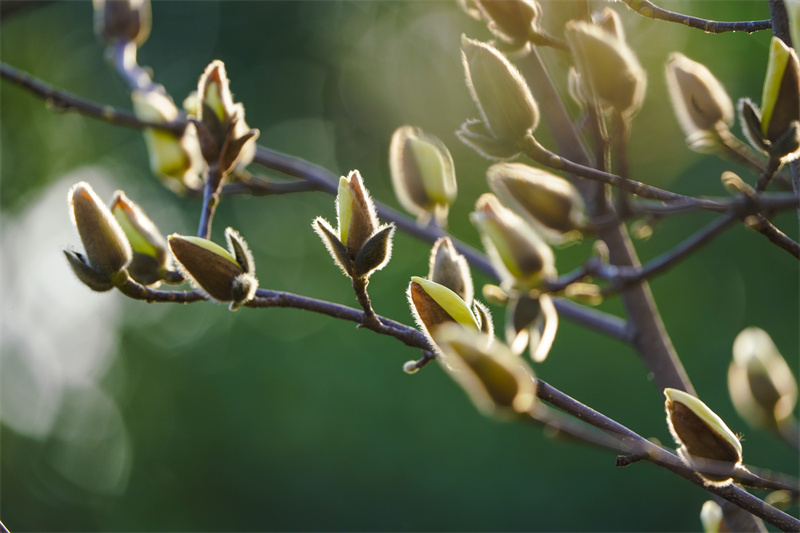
(650, 10)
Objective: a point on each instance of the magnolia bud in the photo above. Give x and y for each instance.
(108, 251)
(531, 322)
(433, 304)
(513, 21)
(607, 66)
(423, 174)
(711, 517)
(504, 100)
(150, 254)
(609, 20)
(497, 382)
(224, 275)
(705, 441)
(761, 384)
(550, 203)
(700, 101)
(174, 158)
(514, 247)
(450, 268)
(122, 20)
(780, 101)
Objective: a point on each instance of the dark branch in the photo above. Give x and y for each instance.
(650, 10)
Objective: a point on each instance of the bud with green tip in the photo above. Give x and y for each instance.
(508, 110)
(174, 158)
(517, 252)
(701, 103)
(531, 323)
(497, 382)
(433, 304)
(122, 20)
(761, 384)
(705, 442)
(227, 276)
(107, 250)
(608, 67)
(548, 202)
(450, 268)
(711, 517)
(423, 174)
(358, 246)
(780, 101)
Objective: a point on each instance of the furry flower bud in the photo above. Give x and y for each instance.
(514, 247)
(705, 441)
(533, 323)
(760, 382)
(497, 382)
(122, 20)
(423, 173)
(433, 304)
(150, 253)
(226, 276)
(504, 100)
(450, 268)
(780, 100)
(549, 203)
(513, 21)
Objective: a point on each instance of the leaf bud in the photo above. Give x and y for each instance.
(548, 202)
(736, 185)
(705, 442)
(108, 251)
(512, 21)
(410, 367)
(760, 382)
(517, 252)
(450, 268)
(497, 382)
(227, 276)
(122, 20)
(607, 66)
(711, 517)
(433, 304)
(780, 101)
(484, 318)
(150, 253)
(532, 323)
(175, 159)
(504, 100)
(701, 103)
(423, 174)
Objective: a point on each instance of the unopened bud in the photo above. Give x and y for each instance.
(410, 367)
(531, 323)
(503, 98)
(433, 304)
(608, 66)
(550, 203)
(736, 185)
(484, 318)
(705, 441)
(780, 101)
(226, 276)
(711, 517)
(122, 20)
(513, 246)
(450, 268)
(762, 386)
(423, 173)
(497, 382)
(513, 21)
(609, 20)
(150, 254)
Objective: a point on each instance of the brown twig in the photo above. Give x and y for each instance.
(650, 10)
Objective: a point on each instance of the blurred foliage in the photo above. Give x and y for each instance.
(284, 420)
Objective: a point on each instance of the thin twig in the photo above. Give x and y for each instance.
(650, 10)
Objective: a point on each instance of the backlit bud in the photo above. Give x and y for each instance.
(107, 249)
(226, 276)
(450, 268)
(780, 101)
(477, 136)
(711, 517)
(423, 174)
(607, 66)
(609, 20)
(533, 323)
(433, 304)
(762, 386)
(150, 254)
(122, 20)
(497, 382)
(513, 246)
(551, 204)
(700, 101)
(176, 159)
(513, 21)
(706, 443)
(504, 100)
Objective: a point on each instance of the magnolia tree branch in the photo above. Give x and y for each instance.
(650, 10)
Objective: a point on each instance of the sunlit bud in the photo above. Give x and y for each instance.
(477, 136)
(484, 318)
(224, 275)
(549, 203)
(433, 304)
(513, 246)
(608, 66)
(750, 117)
(735, 185)
(584, 293)
(107, 249)
(176, 159)
(705, 441)
(531, 323)
(497, 382)
(513, 21)
(503, 98)
(470, 7)
(86, 274)
(495, 294)
(122, 20)
(410, 367)
(700, 101)
(793, 14)
(450, 268)
(150, 254)
(762, 386)
(609, 20)
(780, 101)
(423, 174)
(711, 517)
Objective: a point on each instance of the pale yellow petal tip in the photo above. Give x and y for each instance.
(449, 301)
(704, 413)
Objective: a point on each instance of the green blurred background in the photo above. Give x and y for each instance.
(123, 416)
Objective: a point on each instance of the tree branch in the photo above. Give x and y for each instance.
(650, 10)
